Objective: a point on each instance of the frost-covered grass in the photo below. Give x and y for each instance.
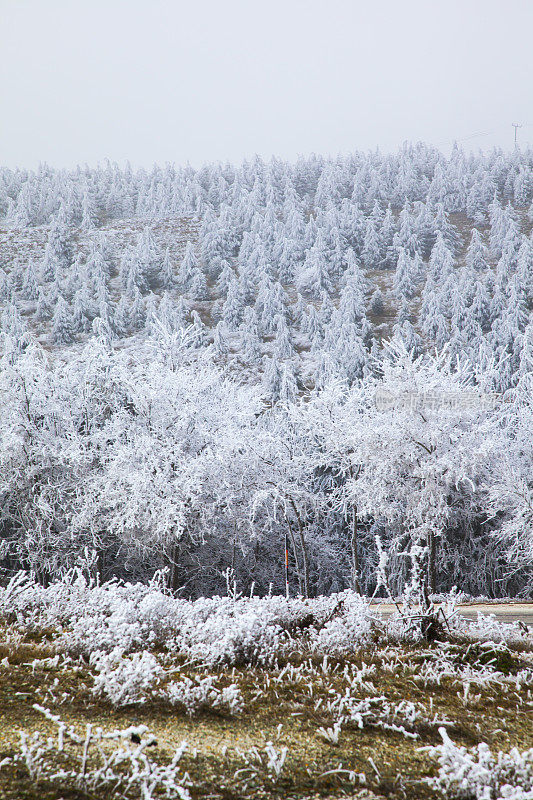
(125, 691)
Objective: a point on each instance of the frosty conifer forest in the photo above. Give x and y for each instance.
(197, 364)
(237, 404)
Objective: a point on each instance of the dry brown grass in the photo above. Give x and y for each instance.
(284, 714)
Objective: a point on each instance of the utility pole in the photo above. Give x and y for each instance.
(515, 125)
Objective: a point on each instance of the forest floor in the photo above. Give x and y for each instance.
(399, 695)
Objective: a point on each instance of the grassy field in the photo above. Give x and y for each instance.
(480, 693)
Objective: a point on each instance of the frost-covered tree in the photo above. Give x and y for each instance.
(376, 304)
(62, 324)
(441, 261)
(188, 267)
(197, 289)
(167, 276)
(137, 311)
(89, 216)
(29, 285)
(477, 255)
(407, 274)
(233, 308)
(250, 338)
(220, 344)
(283, 348)
(314, 277)
(371, 247)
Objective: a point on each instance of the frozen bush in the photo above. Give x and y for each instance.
(480, 774)
(214, 631)
(125, 680)
(201, 696)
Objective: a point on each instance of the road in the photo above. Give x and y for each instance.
(505, 612)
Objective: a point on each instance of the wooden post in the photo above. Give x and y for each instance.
(286, 567)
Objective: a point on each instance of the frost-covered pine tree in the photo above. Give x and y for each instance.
(29, 285)
(326, 309)
(376, 305)
(167, 313)
(50, 265)
(448, 231)
(288, 260)
(43, 309)
(220, 344)
(298, 310)
(270, 302)
(97, 268)
(250, 337)
(6, 286)
(435, 327)
(227, 275)
(59, 238)
(182, 310)
(188, 267)
(197, 288)
(477, 255)
(233, 308)
(388, 229)
(12, 323)
(167, 278)
(372, 249)
(288, 390)
(441, 261)
(406, 275)
(199, 329)
(272, 379)
(406, 334)
(80, 320)
(406, 236)
(148, 256)
(19, 214)
(524, 265)
(311, 323)
(151, 313)
(314, 277)
(351, 303)
(89, 215)
(137, 315)
(480, 308)
(62, 326)
(283, 348)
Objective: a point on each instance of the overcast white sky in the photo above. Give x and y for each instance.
(209, 80)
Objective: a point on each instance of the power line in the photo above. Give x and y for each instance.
(495, 130)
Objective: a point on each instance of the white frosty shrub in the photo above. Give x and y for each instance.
(480, 774)
(215, 631)
(488, 628)
(348, 628)
(196, 697)
(125, 679)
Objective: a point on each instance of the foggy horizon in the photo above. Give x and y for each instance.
(86, 83)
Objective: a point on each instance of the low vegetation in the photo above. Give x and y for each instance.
(330, 701)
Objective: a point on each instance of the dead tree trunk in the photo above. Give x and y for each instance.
(295, 551)
(355, 555)
(173, 574)
(303, 545)
(432, 570)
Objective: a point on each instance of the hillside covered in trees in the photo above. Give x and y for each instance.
(199, 364)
